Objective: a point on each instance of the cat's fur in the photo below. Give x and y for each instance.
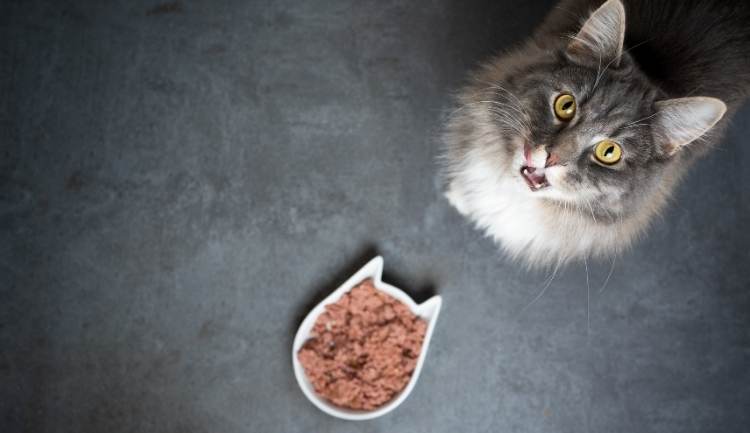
(655, 76)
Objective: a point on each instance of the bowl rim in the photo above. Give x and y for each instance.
(427, 310)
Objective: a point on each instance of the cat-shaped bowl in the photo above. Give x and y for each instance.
(427, 310)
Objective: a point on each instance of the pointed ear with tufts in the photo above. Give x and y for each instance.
(680, 121)
(602, 36)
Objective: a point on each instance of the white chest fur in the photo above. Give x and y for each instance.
(523, 225)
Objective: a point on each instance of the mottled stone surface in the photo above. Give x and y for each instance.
(180, 182)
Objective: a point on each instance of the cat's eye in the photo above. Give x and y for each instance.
(607, 152)
(565, 107)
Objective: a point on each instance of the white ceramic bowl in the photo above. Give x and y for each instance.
(427, 310)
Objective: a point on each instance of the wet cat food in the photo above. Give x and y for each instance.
(363, 349)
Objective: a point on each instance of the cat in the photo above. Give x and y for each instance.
(568, 146)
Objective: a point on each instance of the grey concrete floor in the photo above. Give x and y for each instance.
(181, 182)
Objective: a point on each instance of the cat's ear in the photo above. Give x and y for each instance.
(602, 36)
(680, 121)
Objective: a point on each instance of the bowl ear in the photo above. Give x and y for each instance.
(430, 308)
(373, 269)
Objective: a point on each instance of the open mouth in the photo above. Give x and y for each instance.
(534, 177)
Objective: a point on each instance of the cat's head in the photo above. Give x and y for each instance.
(581, 124)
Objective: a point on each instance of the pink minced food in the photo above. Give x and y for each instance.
(363, 349)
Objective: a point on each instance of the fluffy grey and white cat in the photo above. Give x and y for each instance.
(568, 146)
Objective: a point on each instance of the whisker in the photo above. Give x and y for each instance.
(521, 113)
(509, 93)
(518, 125)
(636, 122)
(638, 45)
(609, 275)
(588, 296)
(508, 120)
(506, 116)
(544, 289)
(588, 203)
(600, 75)
(570, 13)
(517, 104)
(500, 112)
(499, 87)
(521, 116)
(635, 125)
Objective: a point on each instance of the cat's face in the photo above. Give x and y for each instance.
(583, 126)
(577, 135)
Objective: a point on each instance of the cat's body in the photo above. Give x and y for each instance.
(531, 180)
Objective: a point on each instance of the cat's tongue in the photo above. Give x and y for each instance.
(533, 171)
(534, 177)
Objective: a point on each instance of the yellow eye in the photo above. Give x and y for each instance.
(607, 152)
(565, 107)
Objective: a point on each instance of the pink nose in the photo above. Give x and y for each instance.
(552, 159)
